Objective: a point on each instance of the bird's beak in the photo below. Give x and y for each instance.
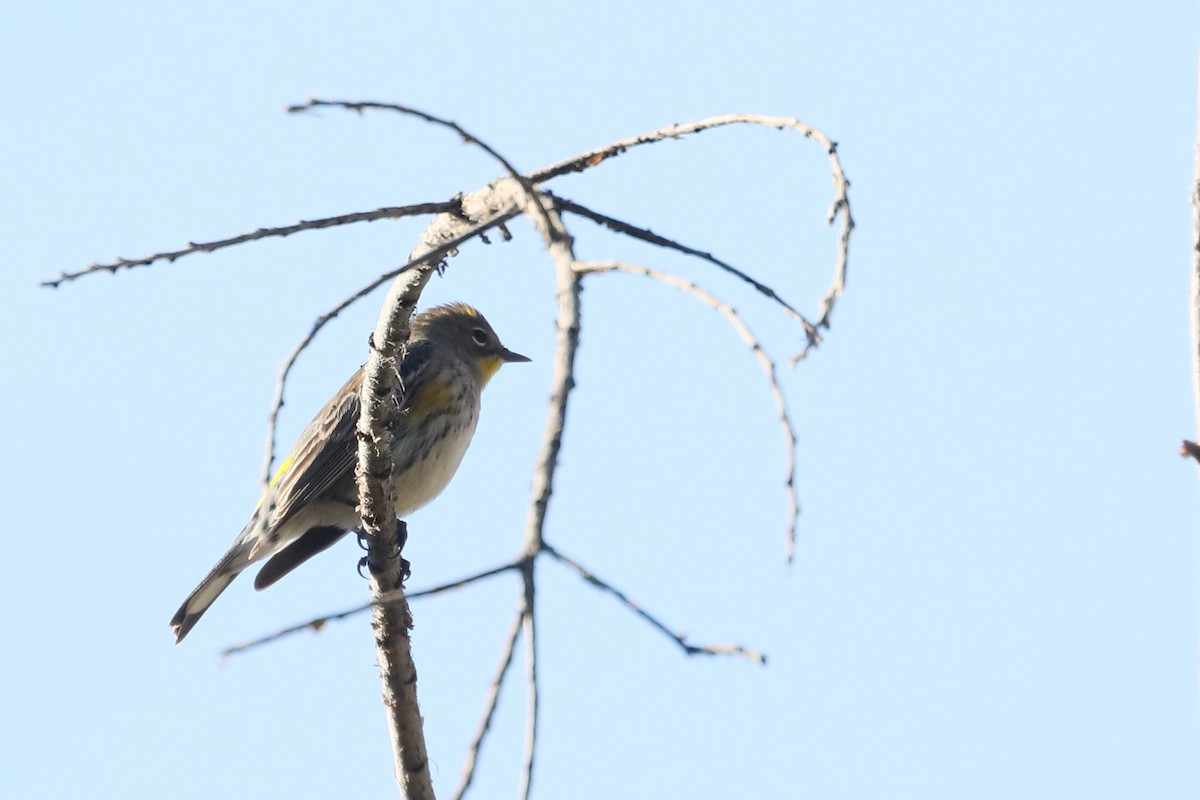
(509, 357)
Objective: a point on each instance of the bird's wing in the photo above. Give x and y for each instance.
(323, 453)
(328, 449)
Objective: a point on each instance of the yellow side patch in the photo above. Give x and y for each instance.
(279, 473)
(434, 397)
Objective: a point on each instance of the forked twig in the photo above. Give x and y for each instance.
(489, 709)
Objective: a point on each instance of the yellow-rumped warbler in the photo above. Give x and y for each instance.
(313, 498)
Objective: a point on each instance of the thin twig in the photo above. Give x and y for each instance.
(391, 212)
(679, 639)
(764, 360)
(649, 236)
(318, 623)
(567, 327)
(529, 627)
(489, 709)
(560, 246)
(368, 105)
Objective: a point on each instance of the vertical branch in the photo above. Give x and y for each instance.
(529, 626)
(392, 621)
(380, 397)
(567, 283)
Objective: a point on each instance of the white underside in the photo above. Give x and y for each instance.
(428, 478)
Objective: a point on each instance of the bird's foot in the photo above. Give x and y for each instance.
(364, 542)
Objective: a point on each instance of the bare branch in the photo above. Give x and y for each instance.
(529, 618)
(647, 235)
(318, 623)
(391, 212)
(380, 400)
(489, 708)
(560, 245)
(764, 360)
(567, 284)
(381, 397)
(839, 206)
(461, 583)
(369, 105)
(678, 638)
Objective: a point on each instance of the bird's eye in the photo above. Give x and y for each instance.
(480, 336)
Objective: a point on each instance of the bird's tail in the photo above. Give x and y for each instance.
(229, 567)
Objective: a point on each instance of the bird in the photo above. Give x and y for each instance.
(312, 499)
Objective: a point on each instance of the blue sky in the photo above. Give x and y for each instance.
(996, 586)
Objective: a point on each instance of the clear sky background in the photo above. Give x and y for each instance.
(996, 585)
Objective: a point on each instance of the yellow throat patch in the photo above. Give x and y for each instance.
(489, 366)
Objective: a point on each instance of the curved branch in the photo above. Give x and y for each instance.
(764, 360)
(368, 105)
